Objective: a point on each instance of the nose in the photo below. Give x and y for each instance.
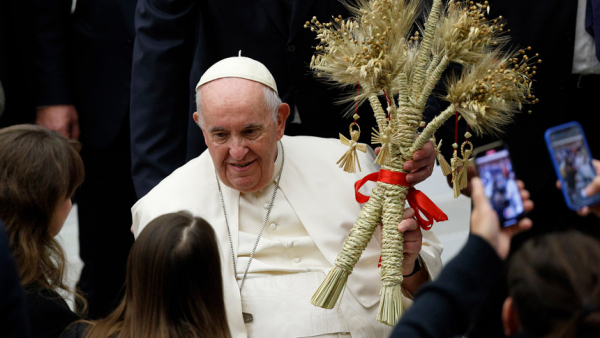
(238, 149)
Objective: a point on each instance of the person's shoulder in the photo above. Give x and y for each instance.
(186, 177)
(76, 330)
(182, 190)
(48, 312)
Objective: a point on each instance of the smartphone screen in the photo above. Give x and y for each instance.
(499, 182)
(572, 162)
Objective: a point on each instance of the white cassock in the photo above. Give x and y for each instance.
(312, 215)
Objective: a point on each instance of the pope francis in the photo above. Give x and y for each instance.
(281, 209)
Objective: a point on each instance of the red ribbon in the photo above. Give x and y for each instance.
(416, 198)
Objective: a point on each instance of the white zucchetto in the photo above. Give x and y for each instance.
(240, 67)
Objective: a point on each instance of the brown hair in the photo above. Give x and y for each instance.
(173, 285)
(39, 169)
(554, 281)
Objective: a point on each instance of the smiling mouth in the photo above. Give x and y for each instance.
(241, 165)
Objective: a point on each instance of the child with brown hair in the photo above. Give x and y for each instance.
(39, 172)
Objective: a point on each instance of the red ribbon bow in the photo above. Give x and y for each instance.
(416, 198)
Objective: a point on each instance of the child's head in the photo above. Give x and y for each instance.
(174, 285)
(39, 171)
(554, 287)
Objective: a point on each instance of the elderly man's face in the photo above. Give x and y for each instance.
(240, 132)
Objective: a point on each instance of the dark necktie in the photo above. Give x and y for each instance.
(592, 22)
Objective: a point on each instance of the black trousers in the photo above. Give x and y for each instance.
(104, 208)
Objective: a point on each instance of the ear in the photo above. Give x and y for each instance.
(510, 318)
(283, 111)
(195, 115)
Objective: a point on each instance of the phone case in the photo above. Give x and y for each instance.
(552, 152)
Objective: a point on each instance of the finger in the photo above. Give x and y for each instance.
(418, 176)
(75, 131)
(583, 211)
(409, 213)
(522, 225)
(520, 184)
(525, 195)
(413, 236)
(558, 185)
(408, 225)
(596, 164)
(419, 164)
(477, 192)
(411, 249)
(64, 131)
(528, 205)
(377, 150)
(427, 151)
(594, 187)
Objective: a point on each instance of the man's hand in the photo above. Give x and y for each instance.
(485, 223)
(412, 240)
(61, 118)
(421, 166)
(592, 189)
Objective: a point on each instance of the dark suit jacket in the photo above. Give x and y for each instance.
(84, 59)
(444, 308)
(15, 70)
(178, 40)
(13, 317)
(49, 314)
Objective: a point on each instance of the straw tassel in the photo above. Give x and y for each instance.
(349, 161)
(446, 169)
(386, 139)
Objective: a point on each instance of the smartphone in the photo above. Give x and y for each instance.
(572, 162)
(499, 181)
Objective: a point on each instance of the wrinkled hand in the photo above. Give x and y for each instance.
(413, 239)
(592, 189)
(421, 166)
(485, 223)
(61, 118)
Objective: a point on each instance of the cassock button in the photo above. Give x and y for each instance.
(297, 259)
(266, 205)
(273, 226)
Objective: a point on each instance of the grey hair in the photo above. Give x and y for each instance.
(272, 101)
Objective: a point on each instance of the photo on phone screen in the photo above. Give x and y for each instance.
(499, 182)
(573, 163)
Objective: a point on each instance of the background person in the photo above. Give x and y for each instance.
(446, 307)
(39, 172)
(173, 287)
(82, 73)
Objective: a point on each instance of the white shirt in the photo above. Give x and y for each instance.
(584, 57)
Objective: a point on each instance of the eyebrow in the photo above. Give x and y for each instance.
(212, 130)
(248, 126)
(253, 125)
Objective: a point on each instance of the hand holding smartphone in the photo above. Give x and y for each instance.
(499, 181)
(572, 161)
